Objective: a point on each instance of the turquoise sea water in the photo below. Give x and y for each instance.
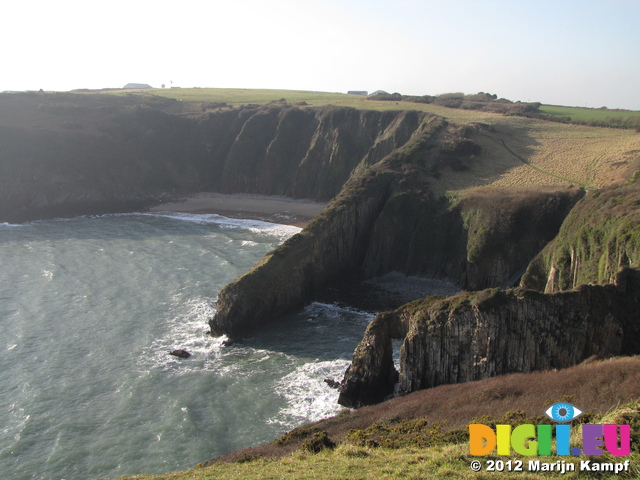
(90, 308)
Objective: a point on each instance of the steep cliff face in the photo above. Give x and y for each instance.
(64, 154)
(599, 236)
(479, 335)
(386, 219)
(482, 334)
(485, 239)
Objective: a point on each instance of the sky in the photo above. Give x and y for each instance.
(563, 52)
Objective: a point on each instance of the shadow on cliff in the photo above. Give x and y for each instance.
(590, 274)
(388, 217)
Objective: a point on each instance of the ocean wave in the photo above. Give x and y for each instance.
(255, 226)
(188, 330)
(307, 395)
(12, 225)
(334, 309)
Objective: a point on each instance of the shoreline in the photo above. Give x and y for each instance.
(274, 209)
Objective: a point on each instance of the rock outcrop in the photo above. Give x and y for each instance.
(372, 374)
(386, 219)
(599, 236)
(478, 335)
(69, 154)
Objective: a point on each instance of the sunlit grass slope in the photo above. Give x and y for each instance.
(450, 461)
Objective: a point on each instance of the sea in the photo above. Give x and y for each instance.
(90, 308)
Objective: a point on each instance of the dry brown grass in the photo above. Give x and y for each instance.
(596, 387)
(522, 152)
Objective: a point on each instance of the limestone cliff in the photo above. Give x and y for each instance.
(488, 333)
(66, 154)
(478, 335)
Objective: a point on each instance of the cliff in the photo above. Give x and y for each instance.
(493, 332)
(477, 335)
(389, 176)
(67, 154)
(599, 236)
(388, 218)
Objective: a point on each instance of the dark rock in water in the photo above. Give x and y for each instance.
(332, 383)
(180, 353)
(372, 375)
(228, 343)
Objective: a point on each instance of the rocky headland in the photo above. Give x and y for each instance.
(394, 182)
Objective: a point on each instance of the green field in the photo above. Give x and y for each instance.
(245, 96)
(589, 116)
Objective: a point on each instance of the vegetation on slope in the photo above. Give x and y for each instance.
(424, 435)
(599, 236)
(138, 125)
(595, 117)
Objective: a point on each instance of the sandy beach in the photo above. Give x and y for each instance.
(274, 209)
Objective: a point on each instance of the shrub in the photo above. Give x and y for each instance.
(295, 434)
(320, 441)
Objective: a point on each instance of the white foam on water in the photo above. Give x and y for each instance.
(186, 330)
(12, 225)
(308, 396)
(189, 331)
(335, 311)
(256, 226)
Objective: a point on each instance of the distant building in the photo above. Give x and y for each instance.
(136, 86)
(358, 92)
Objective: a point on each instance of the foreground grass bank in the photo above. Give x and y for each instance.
(425, 435)
(433, 463)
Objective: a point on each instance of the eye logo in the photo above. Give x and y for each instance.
(563, 412)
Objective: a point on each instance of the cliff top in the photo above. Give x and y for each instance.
(515, 151)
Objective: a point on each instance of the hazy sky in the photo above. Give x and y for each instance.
(570, 52)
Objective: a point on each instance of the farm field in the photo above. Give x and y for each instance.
(590, 115)
(549, 153)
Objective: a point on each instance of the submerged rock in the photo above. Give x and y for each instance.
(180, 353)
(332, 383)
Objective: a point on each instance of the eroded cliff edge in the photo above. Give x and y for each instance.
(67, 154)
(476, 335)
(388, 217)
